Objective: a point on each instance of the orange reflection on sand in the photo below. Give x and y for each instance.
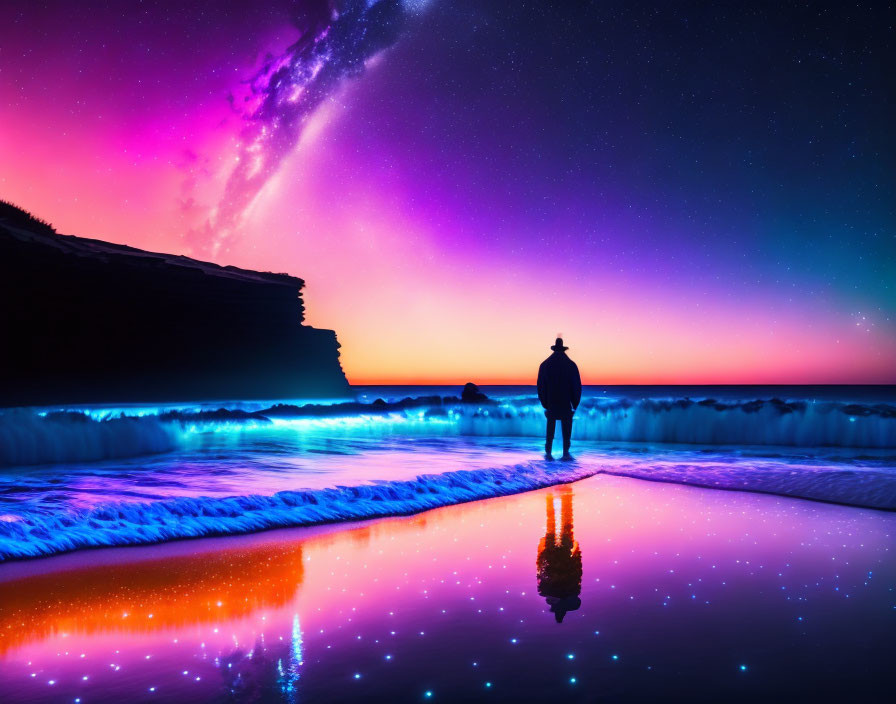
(150, 595)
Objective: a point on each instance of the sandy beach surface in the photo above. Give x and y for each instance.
(608, 589)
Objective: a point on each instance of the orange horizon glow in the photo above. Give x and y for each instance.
(657, 381)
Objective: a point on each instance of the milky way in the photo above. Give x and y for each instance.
(286, 91)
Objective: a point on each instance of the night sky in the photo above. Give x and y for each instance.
(689, 193)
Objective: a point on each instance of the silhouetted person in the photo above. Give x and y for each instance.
(559, 390)
(559, 563)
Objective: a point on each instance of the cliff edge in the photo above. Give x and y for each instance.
(87, 321)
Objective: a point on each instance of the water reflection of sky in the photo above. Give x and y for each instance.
(659, 589)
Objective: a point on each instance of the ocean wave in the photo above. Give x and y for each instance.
(41, 532)
(72, 436)
(139, 523)
(703, 422)
(687, 421)
(849, 485)
(706, 422)
(28, 437)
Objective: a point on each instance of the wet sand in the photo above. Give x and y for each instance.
(609, 589)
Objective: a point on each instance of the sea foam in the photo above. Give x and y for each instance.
(28, 437)
(136, 523)
(39, 532)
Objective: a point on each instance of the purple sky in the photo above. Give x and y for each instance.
(688, 193)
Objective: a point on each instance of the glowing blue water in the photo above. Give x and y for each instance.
(145, 474)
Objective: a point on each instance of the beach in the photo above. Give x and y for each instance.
(405, 351)
(648, 591)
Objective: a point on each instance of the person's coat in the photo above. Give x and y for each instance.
(559, 384)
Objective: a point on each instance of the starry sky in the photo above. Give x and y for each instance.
(689, 193)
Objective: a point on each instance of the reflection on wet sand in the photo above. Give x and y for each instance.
(559, 562)
(150, 595)
(263, 674)
(442, 603)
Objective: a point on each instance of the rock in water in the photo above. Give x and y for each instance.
(472, 394)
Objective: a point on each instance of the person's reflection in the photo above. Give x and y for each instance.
(559, 563)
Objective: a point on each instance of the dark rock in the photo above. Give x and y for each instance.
(472, 394)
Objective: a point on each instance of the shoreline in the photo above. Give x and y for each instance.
(99, 557)
(863, 485)
(112, 554)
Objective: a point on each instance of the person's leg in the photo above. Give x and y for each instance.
(549, 434)
(566, 426)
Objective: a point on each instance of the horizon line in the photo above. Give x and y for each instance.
(531, 382)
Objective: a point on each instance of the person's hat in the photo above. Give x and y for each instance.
(558, 345)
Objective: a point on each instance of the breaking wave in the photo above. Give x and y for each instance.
(707, 422)
(39, 534)
(72, 436)
(46, 531)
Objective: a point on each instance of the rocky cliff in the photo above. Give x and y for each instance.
(83, 320)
